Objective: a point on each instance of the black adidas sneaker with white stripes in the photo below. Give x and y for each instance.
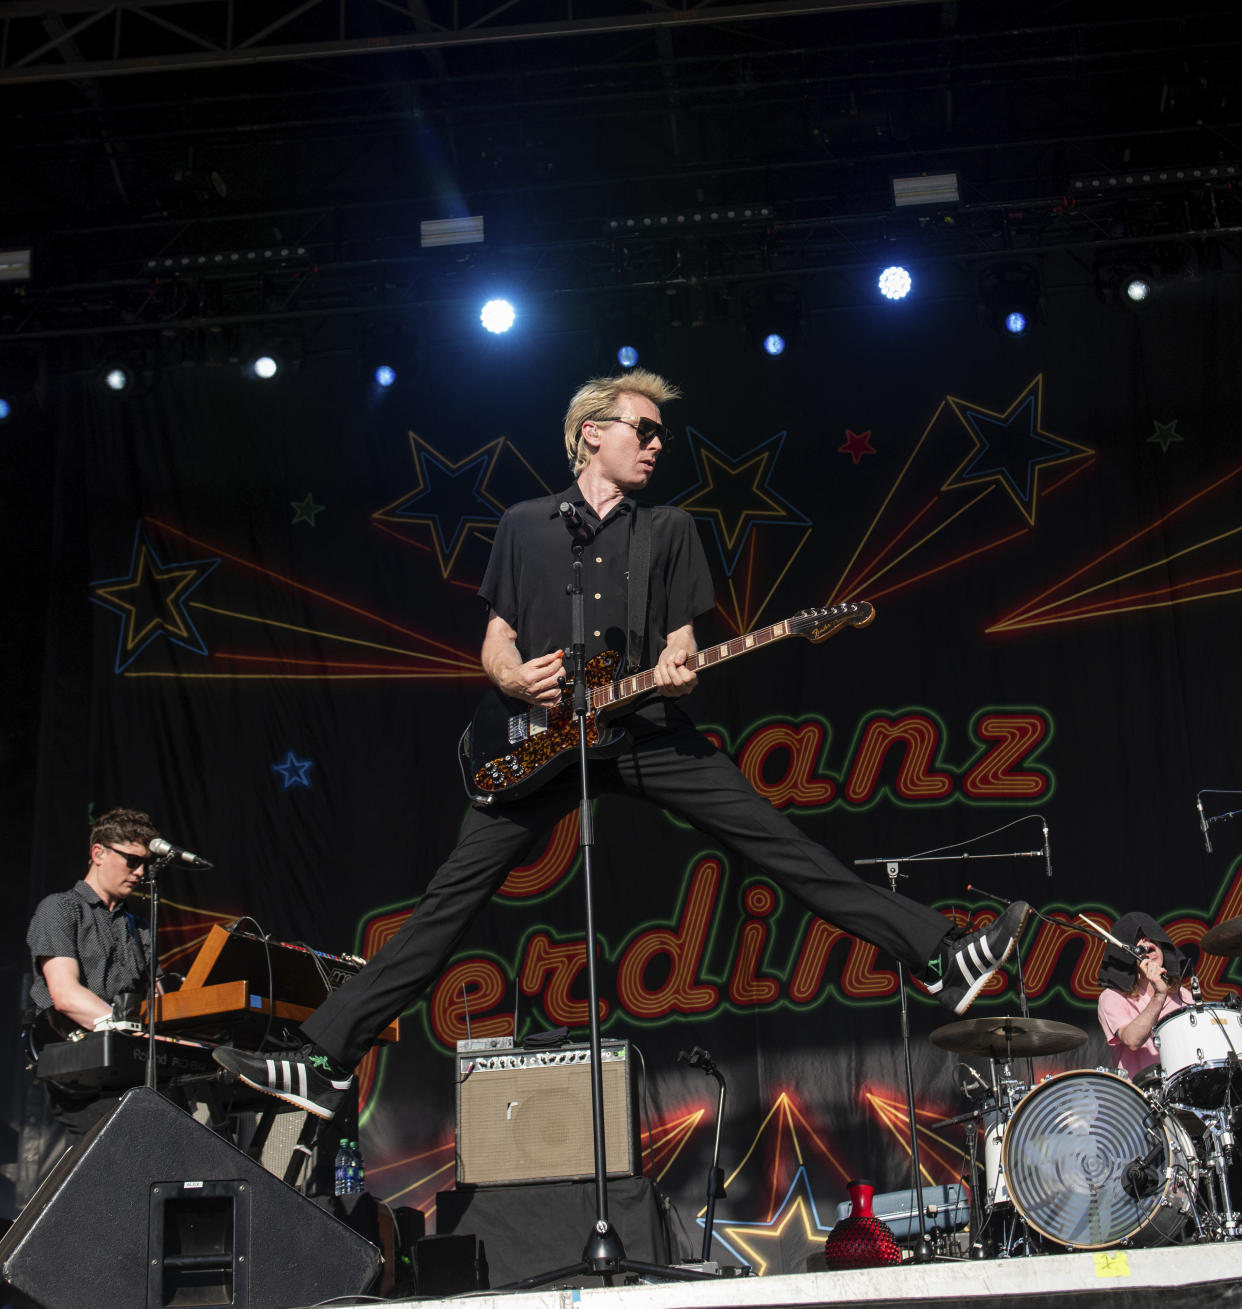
(962, 968)
(307, 1079)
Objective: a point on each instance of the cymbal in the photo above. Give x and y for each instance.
(1225, 938)
(1004, 1038)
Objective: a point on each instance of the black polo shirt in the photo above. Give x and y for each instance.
(111, 946)
(531, 567)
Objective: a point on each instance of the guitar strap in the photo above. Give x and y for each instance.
(640, 571)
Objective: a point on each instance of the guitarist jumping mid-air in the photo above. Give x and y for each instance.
(648, 747)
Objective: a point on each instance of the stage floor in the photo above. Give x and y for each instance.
(1187, 1277)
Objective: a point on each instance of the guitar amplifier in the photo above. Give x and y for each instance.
(525, 1115)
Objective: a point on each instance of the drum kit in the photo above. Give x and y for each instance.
(1088, 1159)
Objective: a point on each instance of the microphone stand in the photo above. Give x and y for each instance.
(922, 1252)
(154, 868)
(603, 1255)
(699, 1058)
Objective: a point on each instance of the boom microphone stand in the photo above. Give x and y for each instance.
(922, 1250)
(603, 1255)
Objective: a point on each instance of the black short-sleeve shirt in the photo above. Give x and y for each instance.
(112, 947)
(531, 568)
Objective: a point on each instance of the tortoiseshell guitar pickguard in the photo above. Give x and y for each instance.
(523, 765)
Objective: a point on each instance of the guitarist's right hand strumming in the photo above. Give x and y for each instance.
(535, 681)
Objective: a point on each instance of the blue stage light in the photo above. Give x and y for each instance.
(895, 283)
(627, 356)
(117, 378)
(6, 409)
(774, 344)
(497, 316)
(385, 376)
(1015, 322)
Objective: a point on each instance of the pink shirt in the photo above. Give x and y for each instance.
(1116, 1011)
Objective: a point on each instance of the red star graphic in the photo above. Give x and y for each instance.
(856, 445)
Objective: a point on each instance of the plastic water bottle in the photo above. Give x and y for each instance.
(357, 1170)
(341, 1170)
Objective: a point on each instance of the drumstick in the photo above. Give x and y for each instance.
(1108, 936)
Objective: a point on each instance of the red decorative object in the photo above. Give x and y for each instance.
(861, 1240)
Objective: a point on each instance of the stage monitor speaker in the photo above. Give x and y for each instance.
(525, 1115)
(153, 1209)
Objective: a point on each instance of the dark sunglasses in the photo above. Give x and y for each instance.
(646, 429)
(132, 861)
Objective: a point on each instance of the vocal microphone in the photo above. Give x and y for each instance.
(1203, 827)
(698, 1058)
(574, 519)
(1047, 852)
(166, 850)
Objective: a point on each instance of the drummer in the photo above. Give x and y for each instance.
(1138, 993)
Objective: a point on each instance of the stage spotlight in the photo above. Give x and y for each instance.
(385, 376)
(6, 409)
(497, 316)
(264, 367)
(1137, 289)
(1009, 298)
(1125, 280)
(774, 344)
(627, 356)
(117, 378)
(895, 283)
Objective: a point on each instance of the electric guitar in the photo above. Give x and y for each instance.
(511, 748)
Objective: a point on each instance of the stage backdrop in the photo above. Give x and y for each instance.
(250, 608)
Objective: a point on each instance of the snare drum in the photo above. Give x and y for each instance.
(993, 1146)
(1195, 1045)
(1065, 1156)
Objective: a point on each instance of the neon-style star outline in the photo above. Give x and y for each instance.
(482, 462)
(1027, 409)
(126, 596)
(293, 771)
(742, 1238)
(732, 526)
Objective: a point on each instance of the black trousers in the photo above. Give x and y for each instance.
(676, 768)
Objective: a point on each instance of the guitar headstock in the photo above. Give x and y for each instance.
(819, 624)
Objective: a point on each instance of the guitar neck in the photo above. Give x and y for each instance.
(630, 688)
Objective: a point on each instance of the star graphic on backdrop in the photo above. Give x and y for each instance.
(788, 1238)
(293, 771)
(304, 511)
(450, 499)
(856, 445)
(1165, 434)
(735, 495)
(150, 599)
(1012, 449)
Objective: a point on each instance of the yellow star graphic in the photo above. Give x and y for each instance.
(155, 592)
(730, 481)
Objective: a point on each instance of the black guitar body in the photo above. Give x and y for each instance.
(511, 748)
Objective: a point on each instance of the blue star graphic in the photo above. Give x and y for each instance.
(1012, 449)
(293, 771)
(151, 599)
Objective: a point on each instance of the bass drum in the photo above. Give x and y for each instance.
(1065, 1156)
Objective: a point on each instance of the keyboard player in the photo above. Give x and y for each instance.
(89, 949)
